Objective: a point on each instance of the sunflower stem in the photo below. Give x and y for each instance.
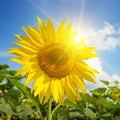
(41, 117)
(8, 117)
(54, 110)
(49, 115)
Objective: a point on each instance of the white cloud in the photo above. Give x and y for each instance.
(97, 64)
(105, 38)
(108, 29)
(110, 78)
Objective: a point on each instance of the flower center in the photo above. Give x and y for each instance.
(56, 60)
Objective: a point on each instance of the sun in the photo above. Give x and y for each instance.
(54, 61)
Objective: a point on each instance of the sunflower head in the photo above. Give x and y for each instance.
(55, 63)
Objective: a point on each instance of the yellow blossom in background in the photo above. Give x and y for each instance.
(116, 96)
(1, 118)
(1, 91)
(54, 61)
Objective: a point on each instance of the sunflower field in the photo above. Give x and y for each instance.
(17, 102)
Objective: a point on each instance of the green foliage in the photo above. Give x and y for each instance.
(105, 82)
(17, 103)
(100, 104)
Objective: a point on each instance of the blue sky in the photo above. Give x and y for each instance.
(97, 20)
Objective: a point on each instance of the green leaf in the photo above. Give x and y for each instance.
(77, 105)
(99, 91)
(117, 118)
(4, 66)
(24, 111)
(6, 108)
(59, 117)
(26, 91)
(107, 114)
(89, 113)
(2, 101)
(108, 104)
(13, 95)
(116, 82)
(70, 104)
(105, 82)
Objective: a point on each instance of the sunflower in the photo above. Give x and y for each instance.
(54, 61)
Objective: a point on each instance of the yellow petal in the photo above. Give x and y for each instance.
(61, 27)
(40, 86)
(84, 75)
(41, 23)
(19, 60)
(79, 82)
(48, 93)
(27, 40)
(69, 93)
(26, 46)
(35, 39)
(24, 69)
(55, 89)
(29, 78)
